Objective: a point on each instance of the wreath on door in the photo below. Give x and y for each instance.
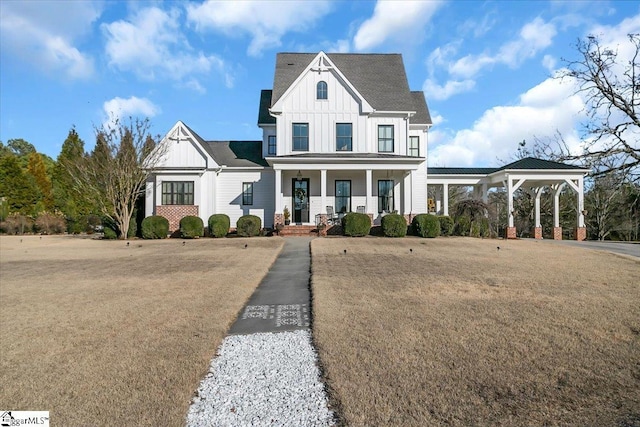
(300, 194)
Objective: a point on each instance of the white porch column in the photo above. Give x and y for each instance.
(557, 189)
(510, 201)
(538, 193)
(278, 194)
(407, 193)
(323, 191)
(581, 202)
(369, 184)
(485, 194)
(445, 199)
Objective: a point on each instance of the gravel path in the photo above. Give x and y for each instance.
(264, 379)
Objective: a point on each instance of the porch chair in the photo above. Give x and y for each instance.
(361, 209)
(332, 217)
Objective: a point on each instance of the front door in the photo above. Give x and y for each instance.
(300, 200)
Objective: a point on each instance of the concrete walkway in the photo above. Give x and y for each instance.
(624, 248)
(281, 301)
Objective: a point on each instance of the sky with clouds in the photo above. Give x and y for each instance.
(486, 68)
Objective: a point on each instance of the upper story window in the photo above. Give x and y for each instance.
(177, 192)
(271, 145)
(247, 193)
(321, 90)
(414, 146)
(344, 136)
(385, 138)
(301, 137)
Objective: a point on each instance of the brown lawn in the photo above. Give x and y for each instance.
(97, 332)
(459, 333)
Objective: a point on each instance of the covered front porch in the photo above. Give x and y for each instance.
(322, 191)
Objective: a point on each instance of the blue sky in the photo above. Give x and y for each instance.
(486, 67)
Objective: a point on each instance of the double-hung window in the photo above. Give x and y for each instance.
(344, 136)
(247, 193)
(177, 192)
(385, 138)
(343, 196)
(385, 195)
(271, 145)
(301, 137)
(414, 146)
(321, 90)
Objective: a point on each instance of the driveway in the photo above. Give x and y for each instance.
(624, 248)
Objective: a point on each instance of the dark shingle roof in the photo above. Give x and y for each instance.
(461, 171)
(236, 153)
(380, 78)
(422, 116)
(263, 113)
(528, 163)
(533, 163)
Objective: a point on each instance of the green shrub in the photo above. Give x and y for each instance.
(249, 226)
(480, 228)
(462, 225)
(191, 227)
(356, 224)
(446, 225)
(133, 227)
(219, 225)
(394, 225)
(155, 227)
(426, 225)
(109, 233)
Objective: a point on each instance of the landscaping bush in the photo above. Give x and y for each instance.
(48, 223)
(249, 226)
(356, 224)
(191, 227)
(155, 227)
(479, 228)
(219, 225)
(109, 233)
(426, 225)
(16, 223)
(462, 225)
(394, 225)
(446, 225)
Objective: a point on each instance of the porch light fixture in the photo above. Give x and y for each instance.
(299, 176)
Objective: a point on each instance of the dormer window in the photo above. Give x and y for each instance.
(321, 90)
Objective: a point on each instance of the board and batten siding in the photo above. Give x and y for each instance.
(184, 154)
(229, 195)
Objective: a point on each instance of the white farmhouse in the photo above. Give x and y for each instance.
(341, 132)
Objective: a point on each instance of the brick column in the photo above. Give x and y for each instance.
(511, 233)
(557, 233)
(581, 234)
(538, 232)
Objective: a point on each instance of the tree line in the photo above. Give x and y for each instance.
(79, 191)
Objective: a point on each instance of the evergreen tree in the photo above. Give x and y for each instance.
(66, 197)
(17, 187)
(37, 169)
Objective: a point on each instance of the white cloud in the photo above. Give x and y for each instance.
(549, 62)
(265, 22)
(43, 34)
(452, 87)
(117, 108)
(534, 37)
(152, 45)
(541, 111)
(398, 20)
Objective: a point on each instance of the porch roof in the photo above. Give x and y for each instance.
(345, 161)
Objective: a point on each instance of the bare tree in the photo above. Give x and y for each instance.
(113, 176)
(610, 84)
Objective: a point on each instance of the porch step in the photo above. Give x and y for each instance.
(299, 230)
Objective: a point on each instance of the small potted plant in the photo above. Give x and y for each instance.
(287, 216)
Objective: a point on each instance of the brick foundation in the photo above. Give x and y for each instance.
(537, 232)
(278, 219)
(511, 233)
(557, 233)
(174, 213)
(409, 218)
(581, 234)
